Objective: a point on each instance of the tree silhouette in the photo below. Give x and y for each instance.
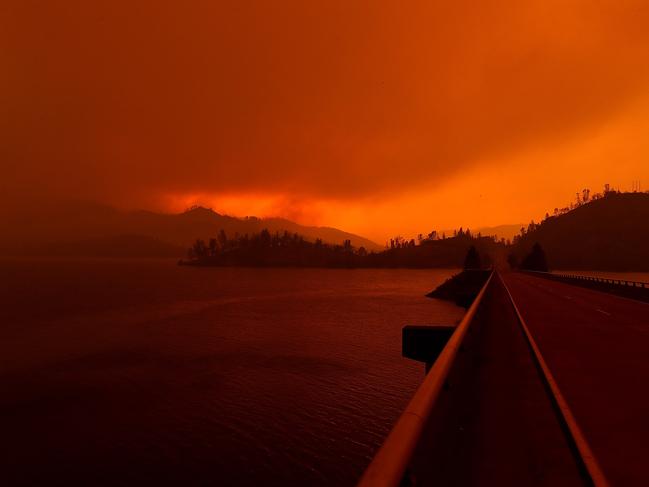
(213, 246)
(223, 239)
(472, 259)
(535, 260)
(265, 239)
(199, 248)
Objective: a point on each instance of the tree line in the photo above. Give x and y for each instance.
(291, 249)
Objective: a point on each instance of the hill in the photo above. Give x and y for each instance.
(66, 228)
(136, 246)
(610, 233)
(448, 252)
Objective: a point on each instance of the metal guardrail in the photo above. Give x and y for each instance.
(602, 280)
(391, 462)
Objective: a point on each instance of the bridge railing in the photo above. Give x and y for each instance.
(595, 279)
(390, 464)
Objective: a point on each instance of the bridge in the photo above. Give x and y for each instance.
(543, 382)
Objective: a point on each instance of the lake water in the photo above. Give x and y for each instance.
(125, 372)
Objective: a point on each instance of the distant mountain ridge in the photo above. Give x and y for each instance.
(67, 229)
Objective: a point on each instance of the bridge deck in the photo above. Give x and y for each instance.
(495, 424)
(597, 347)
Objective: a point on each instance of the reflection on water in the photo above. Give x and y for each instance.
(125, 372)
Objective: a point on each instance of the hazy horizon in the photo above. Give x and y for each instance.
(379, 236)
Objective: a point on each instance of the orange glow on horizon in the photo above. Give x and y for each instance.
(477, 198)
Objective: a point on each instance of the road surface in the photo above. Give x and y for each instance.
(494, 424)
(597, 347)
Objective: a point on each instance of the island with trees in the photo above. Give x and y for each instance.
(264, 249)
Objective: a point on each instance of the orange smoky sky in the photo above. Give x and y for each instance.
(379, 117)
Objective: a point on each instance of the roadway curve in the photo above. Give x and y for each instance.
(597, 347)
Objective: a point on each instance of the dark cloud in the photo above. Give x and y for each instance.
(122, 101)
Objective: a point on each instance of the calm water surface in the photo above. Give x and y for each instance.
(124, 372)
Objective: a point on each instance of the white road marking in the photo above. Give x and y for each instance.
(603, 312)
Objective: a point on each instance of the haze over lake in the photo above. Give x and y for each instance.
(141, 371)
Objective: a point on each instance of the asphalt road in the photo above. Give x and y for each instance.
(494, 423)
(597, 347)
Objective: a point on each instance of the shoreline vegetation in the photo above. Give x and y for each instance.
(292, 250)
